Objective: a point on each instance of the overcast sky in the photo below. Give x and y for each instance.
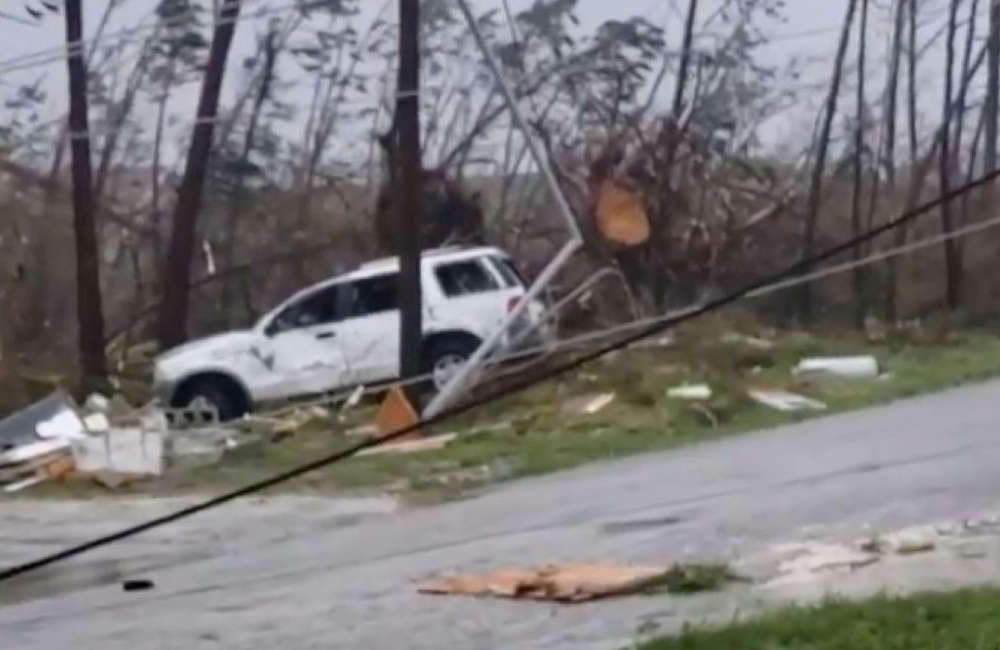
(809, 33)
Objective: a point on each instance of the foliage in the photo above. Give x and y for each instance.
(961, 620)
(303, 153)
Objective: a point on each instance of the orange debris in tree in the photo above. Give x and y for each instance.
(621, 217)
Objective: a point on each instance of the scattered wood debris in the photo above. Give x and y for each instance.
(757, 343)
(782, 400)
(587, 404)
(411, 446)
(697, 392)
(568, 583)
(858, 367)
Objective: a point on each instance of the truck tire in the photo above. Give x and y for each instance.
(444, 355)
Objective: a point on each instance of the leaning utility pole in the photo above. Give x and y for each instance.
(407, 127)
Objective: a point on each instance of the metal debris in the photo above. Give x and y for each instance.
(35, 442)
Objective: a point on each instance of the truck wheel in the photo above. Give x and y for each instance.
(444, 356)
(224, 397)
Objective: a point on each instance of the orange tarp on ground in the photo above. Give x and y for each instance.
(559, 582)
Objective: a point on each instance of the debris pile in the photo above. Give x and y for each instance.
(35, 443)
(105, 440)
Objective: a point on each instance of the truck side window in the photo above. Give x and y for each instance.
(373, 295)
(464, 278)
(317, 308)
(507, 270)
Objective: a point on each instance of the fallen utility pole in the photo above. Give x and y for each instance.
(464, 377)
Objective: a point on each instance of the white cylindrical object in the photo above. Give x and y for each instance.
(860, 367)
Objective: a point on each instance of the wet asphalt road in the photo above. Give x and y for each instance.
(290, 573)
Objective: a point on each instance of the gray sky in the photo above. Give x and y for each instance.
(809, 33)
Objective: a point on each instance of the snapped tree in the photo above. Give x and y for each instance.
(177, 273)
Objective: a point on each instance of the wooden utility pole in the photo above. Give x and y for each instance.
(407, 127)
(177, 274)
(90, 316)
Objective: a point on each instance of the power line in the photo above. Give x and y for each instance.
(527, 382)
(123, 36)
(18, 19)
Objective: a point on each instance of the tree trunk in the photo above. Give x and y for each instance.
(951, 262)
(88, 285)
(992, 107)
(961, 99)
(892, 96)
(683, 71)
(889, 140)
(892, 288)
(408, 205)
(860, 296)
(161, 118)
(236, 204)
(176, 278)
(819, 168)
(117, 124)
(651, 258)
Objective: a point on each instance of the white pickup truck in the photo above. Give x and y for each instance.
(345, 331)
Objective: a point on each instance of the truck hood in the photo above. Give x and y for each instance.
(209, 348)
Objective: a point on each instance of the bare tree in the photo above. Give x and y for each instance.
(892, 95)
(120, 112)
(962, 96)
(860, 295)
(992, 88)
(177, 49)
(805, 310)
(174, 308)
(683, 71)
(90, 314)
(917, 170)
(269, 52)
(952, 264)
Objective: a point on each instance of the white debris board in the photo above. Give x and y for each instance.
(123, 451)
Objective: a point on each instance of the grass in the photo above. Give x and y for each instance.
(693, 579)
(964, 620)
(539, 438)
